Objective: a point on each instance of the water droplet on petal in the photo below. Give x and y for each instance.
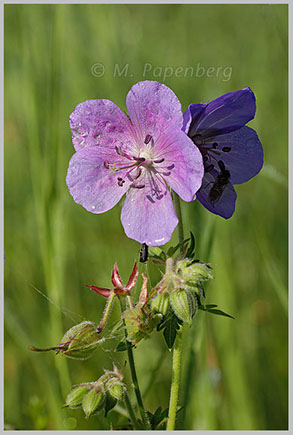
(93, 207)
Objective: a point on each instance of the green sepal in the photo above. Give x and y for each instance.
(183, 304)
(160, 303)
(80, 341)
(93, 402)
(75, 397)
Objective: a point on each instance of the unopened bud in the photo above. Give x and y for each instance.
(193, 273)
(75, 397)
(160, 303)
(80, 341)
(93, 402)
(115, 389)
(183, 305)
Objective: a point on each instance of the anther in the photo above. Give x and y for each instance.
(139, 159)
(148, 138)
(137, 186)
(119, 151)
(171, 167)
(120, 181)
(215, 145)
(106, 164)
(226, 149)
(198, 139)
(159, 161)
(209, 168)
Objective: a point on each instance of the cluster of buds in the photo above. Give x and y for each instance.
(181, 287)
(79, 342)
(102, 394)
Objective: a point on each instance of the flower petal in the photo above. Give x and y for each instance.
(191, 114)
(146, 218)
(99, 123)
(91, 184)
(183, 166)
(245, 158)
(225, 205)
(153, 108)
(226, 113)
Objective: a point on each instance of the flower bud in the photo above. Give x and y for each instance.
(192, 273)
(115, 389)
(160, 303)
(75, 397)
(80, 341)
(93, 402)
(183, 305)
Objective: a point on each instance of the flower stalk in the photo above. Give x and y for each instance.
(177, 350)
(141, 408)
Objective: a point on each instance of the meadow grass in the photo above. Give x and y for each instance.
(235, 372)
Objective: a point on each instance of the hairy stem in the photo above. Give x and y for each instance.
(142, 411)
(177, 349)
(131, 413)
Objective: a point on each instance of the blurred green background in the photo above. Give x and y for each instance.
(235, 372)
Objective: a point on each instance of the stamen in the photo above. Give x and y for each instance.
(120, 181)
(215, 145)
(148, 138)
(159, 161)
(138, 186)
(107, 165)
(139, 159)
(209, 168)
(198, 139)
(138, 174)
(119, 151)
(226, 149)
(166, 174)
(171, 167)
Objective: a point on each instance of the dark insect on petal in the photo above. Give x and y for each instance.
(226, 149)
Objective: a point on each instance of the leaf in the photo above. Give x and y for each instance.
(190, 251)
(121, 346)
(171, 328)
(210, 306)
(172, 250)
(219, 313)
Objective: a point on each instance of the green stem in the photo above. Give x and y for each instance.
(177, 349)
(131, 413)
(142, 411)
(178, 212)
(175, 381)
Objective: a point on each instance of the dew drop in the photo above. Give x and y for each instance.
(93, 207)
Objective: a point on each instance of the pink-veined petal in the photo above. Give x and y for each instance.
(183, 165)
(148, 217)
(153, 108)
(91, 184)
(100, 123)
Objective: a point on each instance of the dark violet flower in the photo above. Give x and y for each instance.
(142, 156)
(232, 152)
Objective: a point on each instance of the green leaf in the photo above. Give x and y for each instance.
(219, 313)
(121, 346)
(171, 328)
(210, 306)
(190, 252)
(171, 251)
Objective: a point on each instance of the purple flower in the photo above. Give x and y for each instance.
(143, 156)
(232, 153)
